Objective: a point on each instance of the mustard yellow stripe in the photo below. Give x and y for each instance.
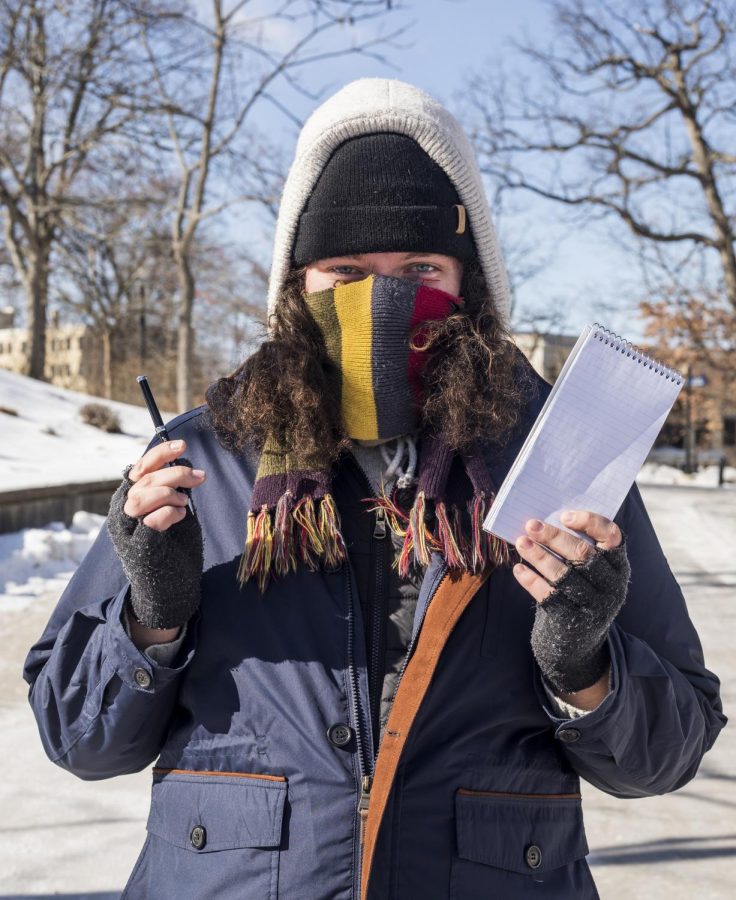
(273, 461)
(353, 307)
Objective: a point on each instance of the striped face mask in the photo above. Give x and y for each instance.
(372, 331)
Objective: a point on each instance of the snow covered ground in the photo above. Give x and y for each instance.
(47, 443)
(38, 560)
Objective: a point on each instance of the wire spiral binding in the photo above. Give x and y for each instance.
(623, 346)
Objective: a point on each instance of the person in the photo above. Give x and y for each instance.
(349, 689)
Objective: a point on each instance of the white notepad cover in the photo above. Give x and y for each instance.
(591, 437)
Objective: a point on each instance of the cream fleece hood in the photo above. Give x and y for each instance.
(372, 105)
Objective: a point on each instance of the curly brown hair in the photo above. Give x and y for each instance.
(289, 388)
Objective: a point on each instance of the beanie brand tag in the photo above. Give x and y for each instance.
(460, 218)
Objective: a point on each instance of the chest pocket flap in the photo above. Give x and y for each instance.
(208, 811)
(524, 833)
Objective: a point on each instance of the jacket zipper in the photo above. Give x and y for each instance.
(378, 625)
(366, 765)
(439, 578)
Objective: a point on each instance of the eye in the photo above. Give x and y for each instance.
(424, 268)
(344, 270)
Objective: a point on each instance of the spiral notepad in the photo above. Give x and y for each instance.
(591, 437)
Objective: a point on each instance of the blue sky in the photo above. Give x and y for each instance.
(587, 277)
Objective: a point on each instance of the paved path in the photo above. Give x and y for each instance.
(683, 846)
(61, 837)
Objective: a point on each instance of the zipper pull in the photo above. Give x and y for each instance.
(379, 530)
(365, 797)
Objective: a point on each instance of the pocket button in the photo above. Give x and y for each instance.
(198, 837)
(533, 856)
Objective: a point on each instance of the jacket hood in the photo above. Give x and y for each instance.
(372, 105)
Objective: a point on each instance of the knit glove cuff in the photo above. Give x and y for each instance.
(571, 626)
(164, 567)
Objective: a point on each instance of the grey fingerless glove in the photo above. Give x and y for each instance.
(571, 625)
(164, 567)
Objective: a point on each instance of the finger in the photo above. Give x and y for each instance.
(546, 564)
(164, 518)
(604, 532)
(531, 582)
(566, 545)
(156, 458)
(172, 476)
(145, 500)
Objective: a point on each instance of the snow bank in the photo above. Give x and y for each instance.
(47, 443)
(37, 560)
(707, 476)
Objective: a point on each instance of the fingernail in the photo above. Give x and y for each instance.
(568, 517)
(525, 543)
(198, 473)
(535, 525)
(175, 446)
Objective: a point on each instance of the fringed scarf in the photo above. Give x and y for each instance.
(372, 331)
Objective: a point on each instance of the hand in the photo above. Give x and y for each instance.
(158, 539)
(154, 497)
(578, 596)
(604, 532)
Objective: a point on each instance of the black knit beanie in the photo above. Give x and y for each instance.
(382, 192)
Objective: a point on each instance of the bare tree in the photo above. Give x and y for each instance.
(68, 85)
(628, 115)
(229, 63)
(114, 270)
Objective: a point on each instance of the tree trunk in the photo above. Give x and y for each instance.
(185, 342)
(37, 284)
(107, 363)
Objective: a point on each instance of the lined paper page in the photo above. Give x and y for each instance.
(591, 437)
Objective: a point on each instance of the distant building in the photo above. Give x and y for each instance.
(712, 398)
(546, 352)
(72, 358)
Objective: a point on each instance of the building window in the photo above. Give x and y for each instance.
(729, 431)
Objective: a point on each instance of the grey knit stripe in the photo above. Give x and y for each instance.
(392, 306)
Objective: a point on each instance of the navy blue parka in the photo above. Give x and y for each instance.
(256, 795)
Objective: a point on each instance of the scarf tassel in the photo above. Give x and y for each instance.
(256, 559)
(396, 519)
(284, 551)
(310, 543)
(277, 540)
(330, 535)
(449, 539)
(309, 531)
(479, 545)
